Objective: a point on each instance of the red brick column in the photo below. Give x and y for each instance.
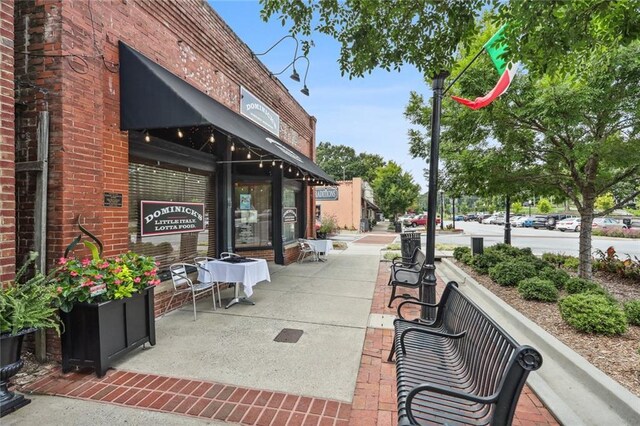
(7, 145)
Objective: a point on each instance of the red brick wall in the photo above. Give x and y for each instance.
(89, 154)
(7, 145)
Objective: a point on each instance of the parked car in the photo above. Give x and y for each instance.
(482, 217)
(499, 219)
(607, 223)
(631, 222)
(470, 217)
(459, 217)
(524, 222)
(539, 221)
(569, 224)
(488, 220)
(553, 219)
(421, 220)
(513, 220)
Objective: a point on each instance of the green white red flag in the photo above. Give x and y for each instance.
(495, 48)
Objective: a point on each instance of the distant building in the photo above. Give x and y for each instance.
(351, 202)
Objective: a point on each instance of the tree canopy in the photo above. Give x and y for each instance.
(575, 133)
(341, 162)
(545, 35)
(394, 189)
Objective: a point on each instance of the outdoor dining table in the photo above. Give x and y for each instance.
(321, 246)
(248, 273)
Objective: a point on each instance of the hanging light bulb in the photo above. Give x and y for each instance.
(260, 163)
(233, 146)
(297, 173)
(249, 155)
(281, 165)
(147, 137)
(212, 138)
(180, 134)
(273, 163)
(289, 169)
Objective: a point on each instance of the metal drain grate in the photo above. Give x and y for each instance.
(288, 335)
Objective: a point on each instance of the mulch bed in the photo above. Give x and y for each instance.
(618, 357)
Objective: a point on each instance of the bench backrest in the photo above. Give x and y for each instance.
(494, 361)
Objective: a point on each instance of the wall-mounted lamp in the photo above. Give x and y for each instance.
(295, 76)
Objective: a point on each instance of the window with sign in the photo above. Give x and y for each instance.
(182, 234)
(252, 207)
(291, 211)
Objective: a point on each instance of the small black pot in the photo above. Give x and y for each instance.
(321, 235)
(10, 364)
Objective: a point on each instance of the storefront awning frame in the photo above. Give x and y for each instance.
(151, 97)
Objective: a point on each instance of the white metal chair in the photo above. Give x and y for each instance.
(227, 254)
(201, 262)
(182, 284)
(305, 250)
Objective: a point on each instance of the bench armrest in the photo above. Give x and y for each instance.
(415, 302)
(445, 391)
(427, 331)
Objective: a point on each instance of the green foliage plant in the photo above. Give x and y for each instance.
(390, 255)
(510, 272)
(605, 202)
(458, 252)
(394, 189)
(28, 303)
(328, 224)
(580, 285)
(467, 258)
(94, 280)
(557, 276)
(544, 205)
(632, 309)
(490, 258)
(571, 263)
(556, 259)
(538, 289)
(593, 313)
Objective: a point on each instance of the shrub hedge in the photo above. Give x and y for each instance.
(557, 276)
(632, 309)
(458, 252)
(538, 289)
(580, 285)
(488, 259)
(510, 272)
(593, 313)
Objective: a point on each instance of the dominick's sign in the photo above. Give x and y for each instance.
(166, 217)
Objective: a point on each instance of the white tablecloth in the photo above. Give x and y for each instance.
(321, 246)
(247, 273)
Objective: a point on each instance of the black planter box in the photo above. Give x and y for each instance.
(97, 334)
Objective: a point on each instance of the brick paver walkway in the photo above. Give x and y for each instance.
(375, 399)
(376, 239)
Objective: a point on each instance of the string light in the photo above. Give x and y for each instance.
(260, 163)
(233, 146)
(297, 173)
(180, 134)
(147, 137)
(281, 165)
(249, 155)
(289, 169)
(273, 163)
(212, 138)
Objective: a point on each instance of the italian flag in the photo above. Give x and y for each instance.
(495, 48)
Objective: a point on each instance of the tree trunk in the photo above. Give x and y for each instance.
(586, 220)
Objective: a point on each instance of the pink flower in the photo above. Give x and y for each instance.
(117, 282)
(136, 280)
(88, 283)
(98, 277)
(62, 261)
(73, 273)
(117, 259)
(154, 282)
(86, 261)
(117, 270)
(59, 289)
(105, 264)
(147, 274)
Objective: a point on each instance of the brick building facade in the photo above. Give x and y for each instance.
(68, 64)
(7, 169)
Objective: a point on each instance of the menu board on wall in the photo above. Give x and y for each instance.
(168, 217)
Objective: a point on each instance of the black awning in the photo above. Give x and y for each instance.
(151, 97)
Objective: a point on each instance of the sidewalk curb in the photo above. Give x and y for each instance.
(573, 389)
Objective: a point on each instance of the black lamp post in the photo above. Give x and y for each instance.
(428, 287)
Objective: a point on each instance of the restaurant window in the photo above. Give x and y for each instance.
(157, 184)
(252, 218)
(292, 211)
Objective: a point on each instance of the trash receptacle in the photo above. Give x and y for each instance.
(409, 241)
(398, 226)
(477, 245)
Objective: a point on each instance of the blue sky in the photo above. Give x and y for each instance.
(364, 113)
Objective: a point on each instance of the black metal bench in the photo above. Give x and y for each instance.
(461, 368)
(409, 275)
